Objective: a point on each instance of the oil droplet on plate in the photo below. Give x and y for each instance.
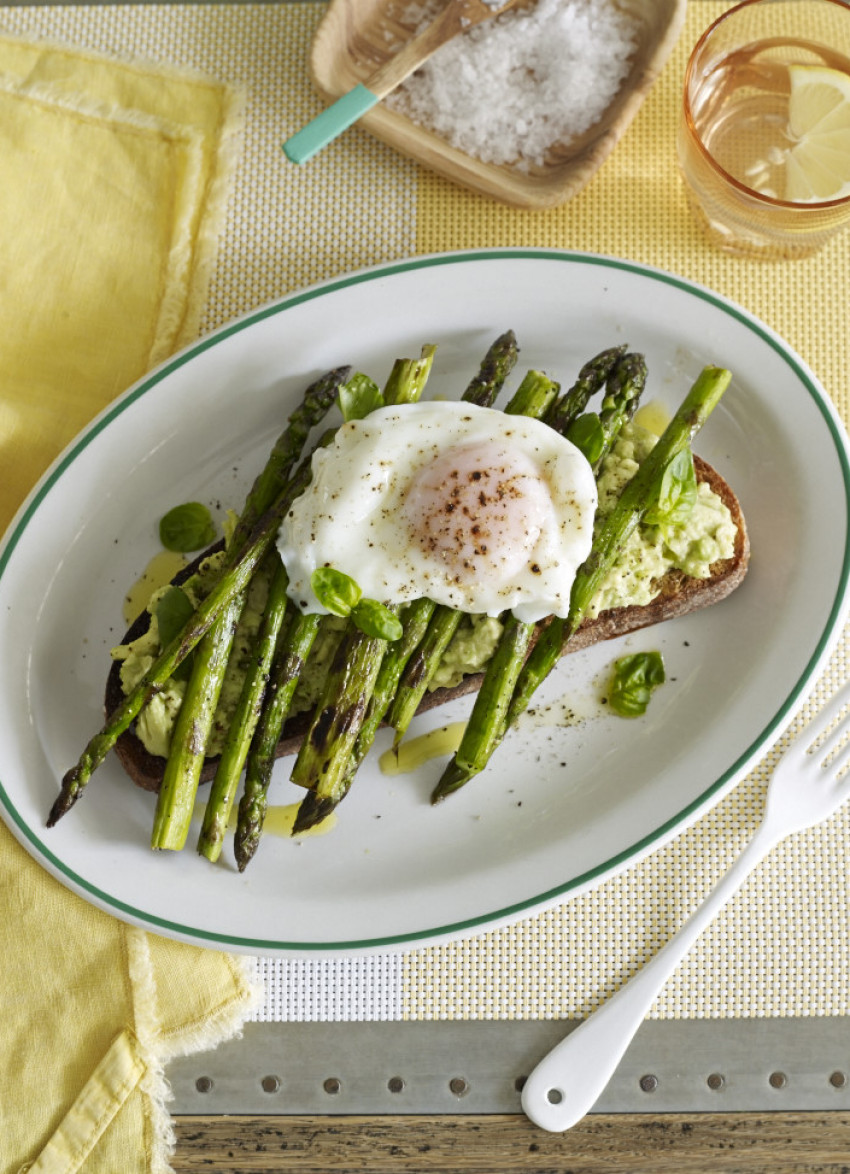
(279, 821)
(410, 755)
(160, 570)
(652, 416)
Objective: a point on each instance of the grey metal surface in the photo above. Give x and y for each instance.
(726, 1065)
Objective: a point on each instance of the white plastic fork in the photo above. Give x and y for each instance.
(808, 786)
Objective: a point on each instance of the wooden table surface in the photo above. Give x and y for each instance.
(742, 1143)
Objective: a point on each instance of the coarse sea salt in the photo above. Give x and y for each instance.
(512, 88)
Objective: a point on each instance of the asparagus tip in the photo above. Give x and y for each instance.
(453, 778)
(312, 811)
(245, 843)
(69, 793)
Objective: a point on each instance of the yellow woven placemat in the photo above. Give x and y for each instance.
(783, 946)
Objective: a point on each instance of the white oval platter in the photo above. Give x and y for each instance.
(561, 805)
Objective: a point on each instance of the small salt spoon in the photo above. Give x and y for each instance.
(457, 17)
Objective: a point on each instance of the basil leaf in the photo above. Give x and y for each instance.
(375, 619)
(633, 681)
(677, 494)
(173, 612)
(587, 435)
(187, 527)
(359, 396)
(335, 590)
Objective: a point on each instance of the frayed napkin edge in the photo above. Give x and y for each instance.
(225, 1022)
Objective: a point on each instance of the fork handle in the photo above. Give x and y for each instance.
(570, 1078)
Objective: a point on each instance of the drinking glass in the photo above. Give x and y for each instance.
(739, 155)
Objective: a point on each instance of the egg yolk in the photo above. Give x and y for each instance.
(478, 509)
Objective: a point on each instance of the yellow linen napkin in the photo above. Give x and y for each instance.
(114, 180)
(113, 187)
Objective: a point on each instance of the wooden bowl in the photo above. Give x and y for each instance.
(356, 36)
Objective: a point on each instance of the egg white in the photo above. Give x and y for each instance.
(476, 509)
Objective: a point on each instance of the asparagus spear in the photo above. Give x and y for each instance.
(176, 797)
(636, 498)
(407, 377)
(230, 584)
(324, 754)
(192, 727)
(289, 661)
(423, 664)
(535, 396)
(405, 384)
(244, 720)
(317, 401)
(594, 433)
(487, 721)
(415, 622)
(623, 389)
(590, 379)
(421, 667)
(625, 376)
(494, 369)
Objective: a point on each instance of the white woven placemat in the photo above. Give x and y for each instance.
(783, 946)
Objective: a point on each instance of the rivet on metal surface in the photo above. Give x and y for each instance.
(270, 1083)
(204, 1084)
(777, 1080)
(838, 1079)
(649, 1083)
(332, 1085)
(715, 1081)
(459, 1086)
(395, 1084)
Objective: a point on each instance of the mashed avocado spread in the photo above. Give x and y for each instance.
(707, 536)
(156, 721)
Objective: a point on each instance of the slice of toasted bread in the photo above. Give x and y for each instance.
(678, 595)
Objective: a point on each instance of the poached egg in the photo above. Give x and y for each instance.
(476, 509)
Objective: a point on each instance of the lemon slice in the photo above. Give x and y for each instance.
(818, 165)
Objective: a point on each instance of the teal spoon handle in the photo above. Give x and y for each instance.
(325, 127)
